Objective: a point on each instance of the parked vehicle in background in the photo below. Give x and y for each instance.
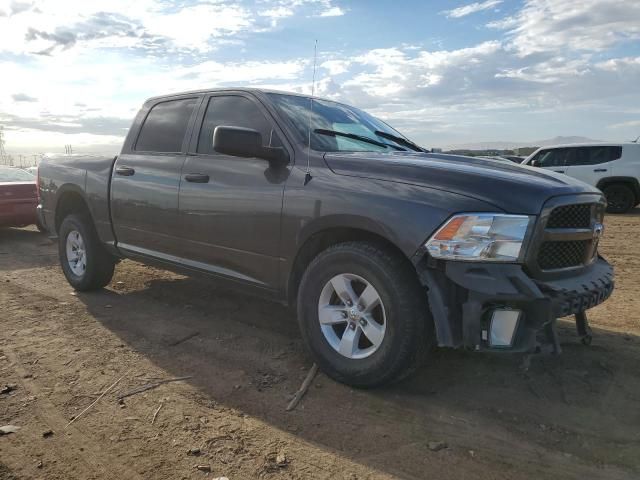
(18, 198)
(384, 249)
(613, 168)
(32, 170)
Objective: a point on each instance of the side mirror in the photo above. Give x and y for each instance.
(534, 163)
(247, 143)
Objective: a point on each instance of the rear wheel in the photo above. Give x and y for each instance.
(620, 198)
(85, 263)
(364, 315)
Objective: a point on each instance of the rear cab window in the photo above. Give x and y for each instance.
(165, 126)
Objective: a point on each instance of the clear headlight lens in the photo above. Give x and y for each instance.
(480, 236)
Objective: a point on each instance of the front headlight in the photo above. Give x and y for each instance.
(480, 236)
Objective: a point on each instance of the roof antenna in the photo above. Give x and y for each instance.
(307, 175)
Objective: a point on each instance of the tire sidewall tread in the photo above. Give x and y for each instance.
(630, 195)
(100, 265)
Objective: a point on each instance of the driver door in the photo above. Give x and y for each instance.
(230, 207)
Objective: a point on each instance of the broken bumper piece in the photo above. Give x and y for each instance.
(499, 307)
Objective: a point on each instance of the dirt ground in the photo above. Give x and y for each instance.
(572, 416)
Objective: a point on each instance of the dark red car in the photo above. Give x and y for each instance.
(18, 198)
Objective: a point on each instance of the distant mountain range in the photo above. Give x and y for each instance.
(501, 145)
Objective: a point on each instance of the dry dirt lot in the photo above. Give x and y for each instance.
(573, 416)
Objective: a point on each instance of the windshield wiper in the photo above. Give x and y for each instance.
(400, 140)
(353, 136)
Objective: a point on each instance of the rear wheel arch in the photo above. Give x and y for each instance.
(629, 181)
(70, 201)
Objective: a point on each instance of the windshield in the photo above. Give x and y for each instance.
(336, 127)
(15, 175)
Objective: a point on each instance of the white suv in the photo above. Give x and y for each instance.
(613, 168)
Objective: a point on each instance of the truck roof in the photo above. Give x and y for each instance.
(234, 89)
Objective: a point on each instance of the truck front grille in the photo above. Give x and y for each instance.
(555, 255)
(570, 236)
(571, 216)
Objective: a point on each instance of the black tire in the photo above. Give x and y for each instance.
(620, 198)
(409, 325)
(99, 263)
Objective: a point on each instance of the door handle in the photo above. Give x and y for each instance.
(600, 170)
(559, 171)
(196, 178)
(125, 171)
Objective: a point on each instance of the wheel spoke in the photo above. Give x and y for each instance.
(342, 286)
(349, 342)
(332, 314)
(373, 331)
(369, 299)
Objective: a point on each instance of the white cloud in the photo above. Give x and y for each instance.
(579, 25)
(194, 26)
(629, 124)
(471, 8)
(332, 12)
(549, 63)
(336, 67)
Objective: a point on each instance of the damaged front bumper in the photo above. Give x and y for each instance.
(499, 307)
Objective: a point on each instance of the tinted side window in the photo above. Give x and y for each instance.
(165, 126)
(557, 157)
(234, 111)
(548, 158)
(596, 155)
(615, 153)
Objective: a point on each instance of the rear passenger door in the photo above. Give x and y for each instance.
(146, 178)
(230, 207)
(591, 164)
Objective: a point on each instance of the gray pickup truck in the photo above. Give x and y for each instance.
(385, 249)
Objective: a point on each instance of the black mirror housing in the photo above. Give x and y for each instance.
(247, 143)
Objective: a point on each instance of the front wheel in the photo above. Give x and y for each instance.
(85, 263)
(620, 198)
(364, 315)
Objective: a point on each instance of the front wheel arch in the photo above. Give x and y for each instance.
(326, 238)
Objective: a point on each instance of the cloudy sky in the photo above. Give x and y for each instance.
(443, 72)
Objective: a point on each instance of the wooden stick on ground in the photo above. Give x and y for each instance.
(150, 386)
(303, 388)
(95, 401)
(156, 413)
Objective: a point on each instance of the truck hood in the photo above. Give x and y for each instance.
(510, 187)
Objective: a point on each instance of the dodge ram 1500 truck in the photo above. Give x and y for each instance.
(384, 249)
